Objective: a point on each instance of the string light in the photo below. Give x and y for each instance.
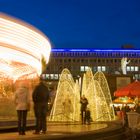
(96, 90)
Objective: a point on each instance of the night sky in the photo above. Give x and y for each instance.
(102, 24)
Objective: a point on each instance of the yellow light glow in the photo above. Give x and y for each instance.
(21, 48)
(99, 98)
(67, 90)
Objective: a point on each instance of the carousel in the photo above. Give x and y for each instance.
(24, 53)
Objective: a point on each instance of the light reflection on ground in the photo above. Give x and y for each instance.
(56, 130)
(77, 127)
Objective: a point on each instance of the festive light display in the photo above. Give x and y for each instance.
(66, 106)
(22, 48)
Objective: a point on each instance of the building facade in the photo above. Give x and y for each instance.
(79, 60)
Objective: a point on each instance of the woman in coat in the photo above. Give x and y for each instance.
(22, 103)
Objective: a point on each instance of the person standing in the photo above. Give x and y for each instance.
(88, 116)
(40, 99)
(22, 103)
(84, 103)
(138, 108)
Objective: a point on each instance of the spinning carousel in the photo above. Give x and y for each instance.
(24, 53)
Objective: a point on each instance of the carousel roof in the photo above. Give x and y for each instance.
(22, 47)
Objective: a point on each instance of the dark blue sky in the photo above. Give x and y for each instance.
(95, 24)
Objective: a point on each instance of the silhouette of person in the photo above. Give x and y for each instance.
(88, 117)
(84, 103)
(40, 98)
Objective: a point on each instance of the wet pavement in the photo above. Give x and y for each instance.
(62, 131)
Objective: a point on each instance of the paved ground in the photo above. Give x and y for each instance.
(56, 130)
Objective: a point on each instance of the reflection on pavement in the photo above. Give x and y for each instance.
(55, 130)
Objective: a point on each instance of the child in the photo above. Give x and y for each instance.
(87, 115)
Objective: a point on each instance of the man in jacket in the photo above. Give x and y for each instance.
(84, 103)
(40, 98)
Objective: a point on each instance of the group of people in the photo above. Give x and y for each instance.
(121, 112)
(40, 97)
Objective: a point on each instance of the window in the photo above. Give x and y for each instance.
(128, 68)
(55, 76)
(94, 69)
(86, 68)
(136, 76)
(82, 68)
(51, 76)
(47, 76)
(132, 68)
(43, 76)
(99, 68)
(103, 68)
(136, 68)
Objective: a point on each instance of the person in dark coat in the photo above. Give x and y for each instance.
(84, 103)
(88, 116)
(40, 98)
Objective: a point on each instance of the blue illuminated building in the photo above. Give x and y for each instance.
(78, 61)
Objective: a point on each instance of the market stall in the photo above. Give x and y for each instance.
(130, 90)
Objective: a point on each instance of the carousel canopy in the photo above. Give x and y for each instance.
(131, 90)
(22, 48)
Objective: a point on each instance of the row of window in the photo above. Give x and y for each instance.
(103, 68)
(50, 76)
(93, 60)
(95, 69)
(98, 68)
(132, 68)
(56, 76)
